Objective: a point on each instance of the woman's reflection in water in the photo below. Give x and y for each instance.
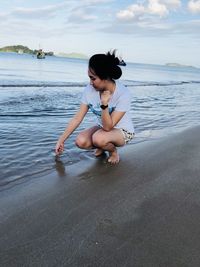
(60, 166)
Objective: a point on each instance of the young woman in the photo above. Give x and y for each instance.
(110, 103)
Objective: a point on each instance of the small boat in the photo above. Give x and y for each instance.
(40, 54)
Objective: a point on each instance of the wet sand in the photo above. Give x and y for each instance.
(143, 212)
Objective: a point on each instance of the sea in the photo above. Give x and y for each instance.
(38, 97)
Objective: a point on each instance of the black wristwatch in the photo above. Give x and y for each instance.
(104, 106)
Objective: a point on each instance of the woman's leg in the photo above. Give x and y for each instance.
(109, 141)
(84, 138)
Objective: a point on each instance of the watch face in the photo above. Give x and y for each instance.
(103, 106)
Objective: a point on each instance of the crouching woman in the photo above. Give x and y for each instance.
(109, 101)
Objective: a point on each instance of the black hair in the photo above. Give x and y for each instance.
(105, 66)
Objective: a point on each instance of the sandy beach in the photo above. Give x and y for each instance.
(143, 212)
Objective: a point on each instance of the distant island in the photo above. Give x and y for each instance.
(178, 65)
(20, 49)
(17, 49)
(72, 55)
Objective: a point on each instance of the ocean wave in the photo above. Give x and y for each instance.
(31, 115)
(128, 83)
(43, 84)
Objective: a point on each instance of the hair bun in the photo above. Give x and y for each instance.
(116, 72)
(116, 61)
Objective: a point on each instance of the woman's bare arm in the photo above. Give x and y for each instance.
(72, 125)
(110, 120)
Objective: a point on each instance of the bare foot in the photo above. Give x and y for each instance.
(114, 157)
(98, 152)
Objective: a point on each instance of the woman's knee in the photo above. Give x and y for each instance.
(82, 141)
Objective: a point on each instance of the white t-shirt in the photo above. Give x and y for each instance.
(120, 101)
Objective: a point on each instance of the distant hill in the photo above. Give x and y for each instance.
(21, 49)
(72, 55)
(178, 65)
(17, 49)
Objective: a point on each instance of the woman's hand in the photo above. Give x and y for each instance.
(73, 124)
(105, 97)
(59, 147)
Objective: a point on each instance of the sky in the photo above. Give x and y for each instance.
(144, 31)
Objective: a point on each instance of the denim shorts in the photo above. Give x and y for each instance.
(126, 134)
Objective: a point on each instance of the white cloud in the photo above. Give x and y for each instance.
(160, 8)
(41, 12)
(132, 12)
(87, 11)
(194, 6)
(157, 8)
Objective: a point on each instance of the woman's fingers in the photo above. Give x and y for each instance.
(59, 148)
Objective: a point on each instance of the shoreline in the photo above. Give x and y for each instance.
(142, 212)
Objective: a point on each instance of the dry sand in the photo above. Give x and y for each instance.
(143, 212)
